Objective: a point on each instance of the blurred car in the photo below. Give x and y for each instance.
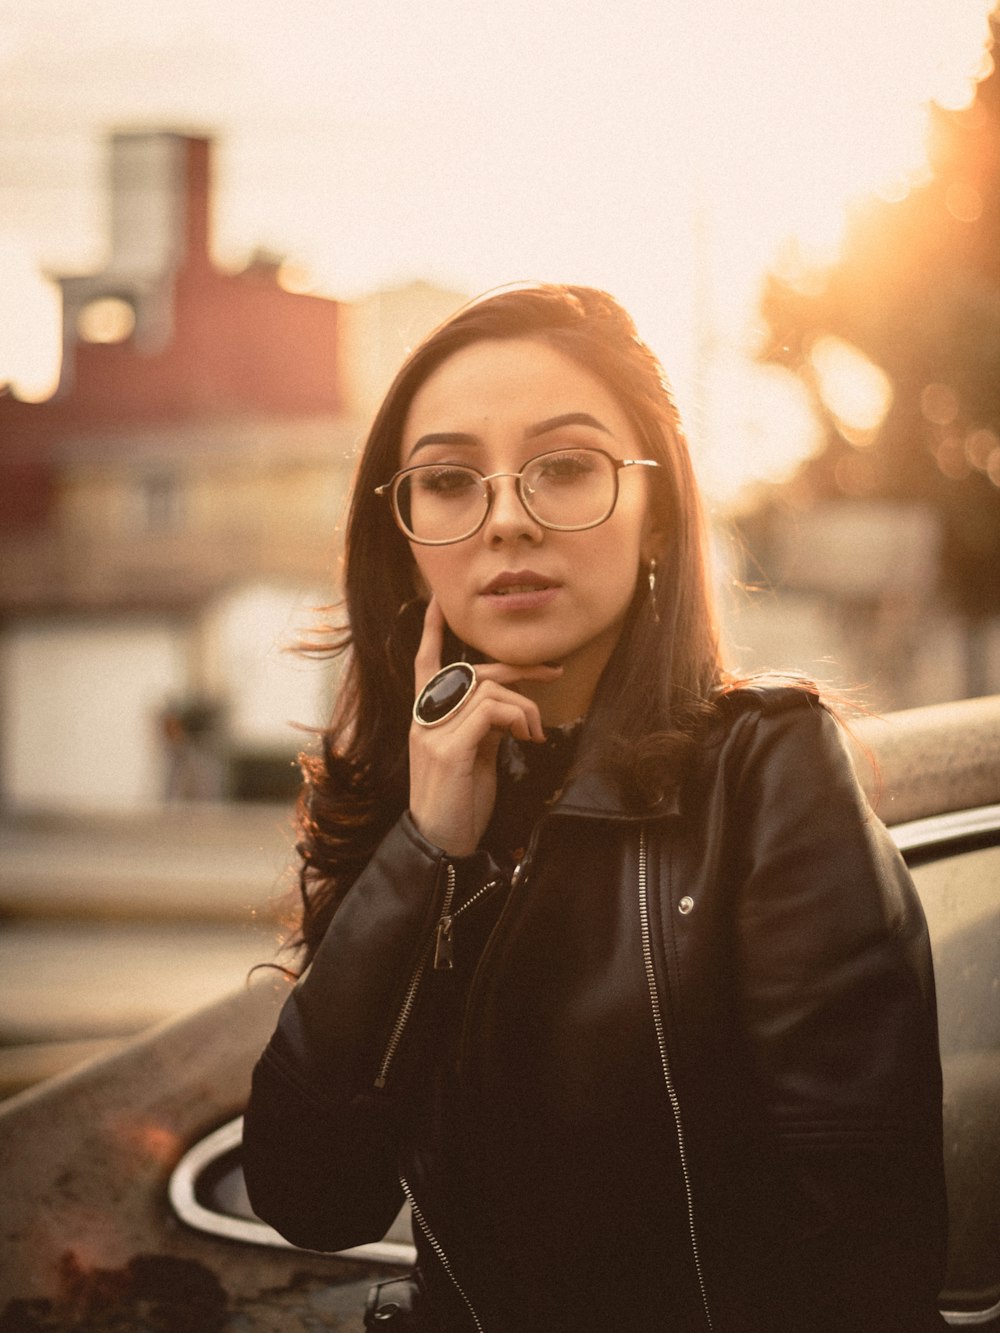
(121, 1189)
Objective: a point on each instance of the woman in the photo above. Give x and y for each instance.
(612, 973)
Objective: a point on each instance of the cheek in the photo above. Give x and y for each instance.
(420, 583)
(434, 572)
(618, 555)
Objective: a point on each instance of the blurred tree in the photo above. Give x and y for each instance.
(917, 291)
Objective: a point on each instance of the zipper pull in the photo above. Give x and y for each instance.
(444, 945)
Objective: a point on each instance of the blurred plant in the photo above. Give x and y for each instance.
(915, 299)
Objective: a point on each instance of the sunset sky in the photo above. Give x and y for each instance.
(664, 149)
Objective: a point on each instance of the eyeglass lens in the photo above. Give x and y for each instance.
(567, 488)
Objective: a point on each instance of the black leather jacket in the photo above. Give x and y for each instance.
(682, 1073)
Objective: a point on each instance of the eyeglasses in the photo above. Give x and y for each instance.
(565, 490)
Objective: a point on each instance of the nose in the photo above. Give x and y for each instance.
(508, 520)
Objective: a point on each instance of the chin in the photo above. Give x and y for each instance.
(514, 659)
(546, 655)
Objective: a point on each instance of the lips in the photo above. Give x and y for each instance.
(520, 592)
(512, 589)
(518, 583)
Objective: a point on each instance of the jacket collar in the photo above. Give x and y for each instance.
(597, 796)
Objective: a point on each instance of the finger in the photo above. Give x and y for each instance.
(495, 708)
(467, 731)
(479, 714)
(519, 723)
(503, 673)
(428, 658)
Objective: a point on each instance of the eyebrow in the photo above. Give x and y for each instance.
(567, 419)
(532, 432)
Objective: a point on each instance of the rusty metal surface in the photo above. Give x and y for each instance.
(87, 1239)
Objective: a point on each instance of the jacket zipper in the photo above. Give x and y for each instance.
(438, 1249)
(444, 940)
(403, 1017)
(516, 880)
(661, 1039)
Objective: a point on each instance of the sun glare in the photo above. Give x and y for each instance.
(804, 127)
(965, 56)
(30, 327)
(813, 125)
(857, 392)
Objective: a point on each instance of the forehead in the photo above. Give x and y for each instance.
(509, 385)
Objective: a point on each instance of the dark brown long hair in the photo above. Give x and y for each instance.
(655, 689)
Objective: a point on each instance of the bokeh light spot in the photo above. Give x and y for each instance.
(939, 404)
(857, 392)
(295, 278)
(963, 202)
(951, 459)
(855, 474)
(980, 445)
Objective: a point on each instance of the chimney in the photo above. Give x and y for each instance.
(160, 216)
(160, 187)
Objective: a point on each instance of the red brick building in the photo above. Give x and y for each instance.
(163, 513)
(162, 340)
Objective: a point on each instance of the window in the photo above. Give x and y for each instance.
(161, 502)
(109, 319)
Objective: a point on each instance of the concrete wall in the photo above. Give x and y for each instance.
(79, 704)
(80, 699)
(268, 689)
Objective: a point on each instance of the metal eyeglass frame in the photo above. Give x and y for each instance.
(391, 488)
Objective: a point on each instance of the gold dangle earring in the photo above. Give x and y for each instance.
(651, 576)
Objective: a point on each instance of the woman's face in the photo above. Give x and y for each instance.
(515, 591)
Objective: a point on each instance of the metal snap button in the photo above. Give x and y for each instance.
(685, 905)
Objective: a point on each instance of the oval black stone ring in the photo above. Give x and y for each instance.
(445, 693)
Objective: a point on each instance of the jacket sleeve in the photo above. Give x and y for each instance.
(836, 988)
(319, 1141)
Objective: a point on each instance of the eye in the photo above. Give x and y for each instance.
(563, 468)
(444, 480)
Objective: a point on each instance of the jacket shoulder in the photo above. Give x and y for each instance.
(769, 694)
(770, 701)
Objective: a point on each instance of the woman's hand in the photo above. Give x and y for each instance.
(453, 767)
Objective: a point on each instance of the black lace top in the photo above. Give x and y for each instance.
(530, 778)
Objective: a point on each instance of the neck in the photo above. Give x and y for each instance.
(569, 697)
(556, 711)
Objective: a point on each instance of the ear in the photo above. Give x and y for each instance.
(653, 542)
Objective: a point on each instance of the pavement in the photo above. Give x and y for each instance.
(111, 925)
(177, 862)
